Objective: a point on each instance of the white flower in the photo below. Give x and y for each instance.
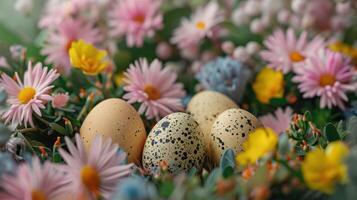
(24, 7)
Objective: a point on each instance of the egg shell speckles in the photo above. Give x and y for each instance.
(118, 120)
(177, 139)
(205, 108)
(230, 130)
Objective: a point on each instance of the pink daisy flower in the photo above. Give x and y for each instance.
(60, 100)
(136, 19)
(193, 30)
(34, 182)
(3, 62)
(28, 96)
(154, 88)
(60, 39)
(96, 172)
(327, 75)
(57, 11)
(285, 50)
(279, 121)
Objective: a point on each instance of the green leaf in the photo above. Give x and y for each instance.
(278, 101)
(352, 129)
(240, 35)
(8, 36)
(166, 188)
(58, 128)
(5, 134)
(352, 125)
(192, 172)
(172, 19)
(342, 129)
(311, 139)
(322, 142)
(56, 157)
(3, 97)
(227, 160)
(69, 127)
(331, 132)
(284, 145)
(259, 176)
(212, 178)
(308, 116)
(228, 171)
(299, 151)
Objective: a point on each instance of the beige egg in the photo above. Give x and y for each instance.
(230, 130)
(205, 108)
(118, 120)
(176, 139)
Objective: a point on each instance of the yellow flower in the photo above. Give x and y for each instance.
(345, 49)
(322, 169)
(260, 142)
(119, 79)
(268, 84)
(87, 58)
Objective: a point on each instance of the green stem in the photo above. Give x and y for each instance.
(288, 167)
(42, 120)
(85, 107)
(26, 130)
(104, 84)
(26, 142)
(66, 110)
(82, 112)
(92, 83)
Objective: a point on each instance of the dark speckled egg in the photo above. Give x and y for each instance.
(205, 108)
(230, 130)
(176, 139)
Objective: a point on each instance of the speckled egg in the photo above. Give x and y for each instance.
(118, 120)
(230, 130)
(205, 108)
(176, 139)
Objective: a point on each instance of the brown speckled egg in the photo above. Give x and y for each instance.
(118, 120)
(205, 108)
(176, 139)
(230, 130)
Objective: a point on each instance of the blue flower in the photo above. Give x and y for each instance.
(135, 188)
(352, 111)
(7, 164)
(225, 75)
(186, 100)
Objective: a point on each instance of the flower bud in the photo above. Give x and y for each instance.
(163, 50)
(256, 26)
(240, 54)
(24, 7)
(252, 47)
(239, 17)
(298, 6)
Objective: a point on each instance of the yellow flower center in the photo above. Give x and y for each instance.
(327, 79)
(296, 56)
(152, 92)
(88, 63)
(26, 94)
(37, 195)
(90, 178)
(139, 18)
(200, 25)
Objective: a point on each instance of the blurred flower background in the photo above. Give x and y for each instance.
(290, 64)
